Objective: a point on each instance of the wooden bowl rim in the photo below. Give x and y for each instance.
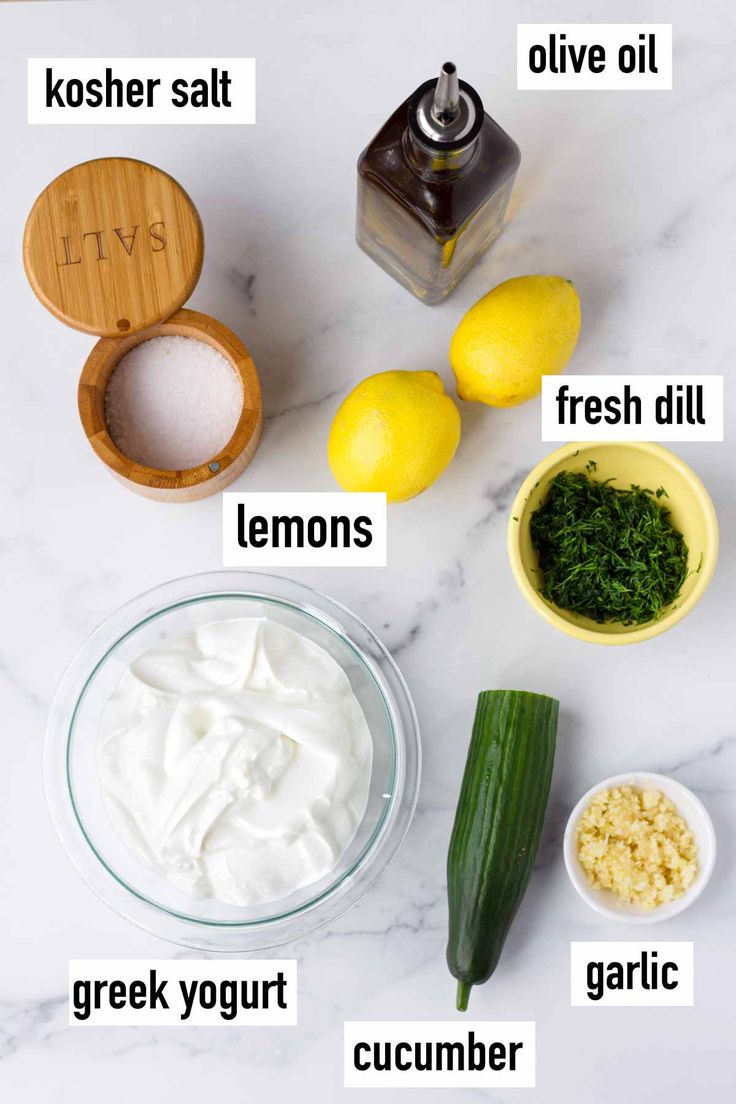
(103, 359)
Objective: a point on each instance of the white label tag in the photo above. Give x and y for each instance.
(457, 1054)
(303, 529)
(588, 57)
(169, 993)
(632, 408)
(146, 91)
(631, 974)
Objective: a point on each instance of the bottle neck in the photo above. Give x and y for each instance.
(432, 163)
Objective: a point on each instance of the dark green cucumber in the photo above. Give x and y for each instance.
(497, 827)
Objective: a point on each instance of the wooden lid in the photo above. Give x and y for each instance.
(113, 246)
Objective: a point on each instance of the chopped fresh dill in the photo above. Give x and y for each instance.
(609, 554)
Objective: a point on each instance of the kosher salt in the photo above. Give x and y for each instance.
(172, 403)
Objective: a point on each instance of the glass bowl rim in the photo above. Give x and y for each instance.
(405, 750)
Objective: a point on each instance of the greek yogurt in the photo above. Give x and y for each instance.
(235, 761)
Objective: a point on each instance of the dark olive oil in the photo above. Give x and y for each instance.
(433, 189)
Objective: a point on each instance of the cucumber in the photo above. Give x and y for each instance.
(497, 827)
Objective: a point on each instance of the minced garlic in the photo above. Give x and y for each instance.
(635, 843)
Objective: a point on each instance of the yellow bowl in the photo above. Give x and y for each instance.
(624, 462)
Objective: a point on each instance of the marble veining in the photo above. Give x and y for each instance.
(631, 196)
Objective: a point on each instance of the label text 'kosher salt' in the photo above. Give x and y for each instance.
(141, 90)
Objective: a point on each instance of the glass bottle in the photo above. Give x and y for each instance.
(433, 187)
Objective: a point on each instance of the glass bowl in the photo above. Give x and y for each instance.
(74, 792)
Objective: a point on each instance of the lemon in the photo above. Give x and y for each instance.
(524, 329)
(395, 432)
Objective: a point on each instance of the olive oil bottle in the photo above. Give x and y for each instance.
(433, 187)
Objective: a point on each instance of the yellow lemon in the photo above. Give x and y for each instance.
(524, 329)
(395, 432)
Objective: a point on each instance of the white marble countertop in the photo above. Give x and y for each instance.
(629, 194)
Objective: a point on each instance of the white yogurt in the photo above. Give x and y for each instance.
(235, 761)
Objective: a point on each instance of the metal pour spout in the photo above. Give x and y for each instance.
(446, 102)
(445, 112)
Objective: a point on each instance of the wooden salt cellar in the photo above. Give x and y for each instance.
(114, 247)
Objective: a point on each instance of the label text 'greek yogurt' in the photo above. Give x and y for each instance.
(632, 408)
(192, 992)
(631, 974)
(303, 529)
(594, 56)
(425, 1054)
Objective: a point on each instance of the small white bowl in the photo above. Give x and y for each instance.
(695, 816)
